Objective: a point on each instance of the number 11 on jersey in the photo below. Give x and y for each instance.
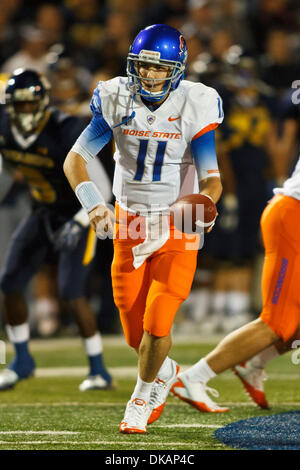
(160, 153)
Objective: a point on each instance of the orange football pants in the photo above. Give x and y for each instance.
(280, 224)
(149, 297)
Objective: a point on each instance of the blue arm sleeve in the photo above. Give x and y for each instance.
(204, 154)
(96, 135)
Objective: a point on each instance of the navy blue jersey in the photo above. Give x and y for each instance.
(41, 162)
(289, 108)
(243, 136)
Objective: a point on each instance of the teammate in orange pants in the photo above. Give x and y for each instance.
(281, 273)
(280, 315)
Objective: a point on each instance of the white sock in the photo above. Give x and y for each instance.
(142, 390)
(261, 359)
(19, 333)
(165, 371)
(200, 372)
(93, 345)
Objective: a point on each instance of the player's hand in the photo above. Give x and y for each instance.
(69, 235)
(102, 220)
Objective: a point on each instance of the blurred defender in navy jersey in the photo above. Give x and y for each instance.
(34, 141)
(244, 142)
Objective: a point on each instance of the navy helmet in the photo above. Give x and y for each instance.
(162, 45)
(27, 86)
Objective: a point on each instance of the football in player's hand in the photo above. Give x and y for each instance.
(193, 213)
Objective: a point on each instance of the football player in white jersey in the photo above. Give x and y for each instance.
(163, 128)
(249, 348)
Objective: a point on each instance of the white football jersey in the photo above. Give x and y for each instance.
(154, 165)
(291, 187)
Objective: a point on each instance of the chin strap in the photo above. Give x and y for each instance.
(153, 99)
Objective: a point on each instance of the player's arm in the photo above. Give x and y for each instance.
(204, 153)
(91, 141)
(211, 187)
(75, 169)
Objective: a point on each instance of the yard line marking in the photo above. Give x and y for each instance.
(40, 432)
(110, 340)
(213, 426)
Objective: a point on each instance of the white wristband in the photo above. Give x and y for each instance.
(89, 195)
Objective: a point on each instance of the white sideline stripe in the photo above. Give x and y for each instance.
(125, 443)
(65, 433)
(212, 426)
(118, 372)
(40, 432)
(47, 372)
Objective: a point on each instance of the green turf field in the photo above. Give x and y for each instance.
(48, 411)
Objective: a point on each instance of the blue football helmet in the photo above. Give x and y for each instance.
(158, 44)
(25, 86)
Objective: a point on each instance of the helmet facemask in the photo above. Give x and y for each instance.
(134, 61)
(27, 108)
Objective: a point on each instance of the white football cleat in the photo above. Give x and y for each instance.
(253, 379)
(8, 379)
(94, 382)
(136, 416)
(195, 393)
(159, 393)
